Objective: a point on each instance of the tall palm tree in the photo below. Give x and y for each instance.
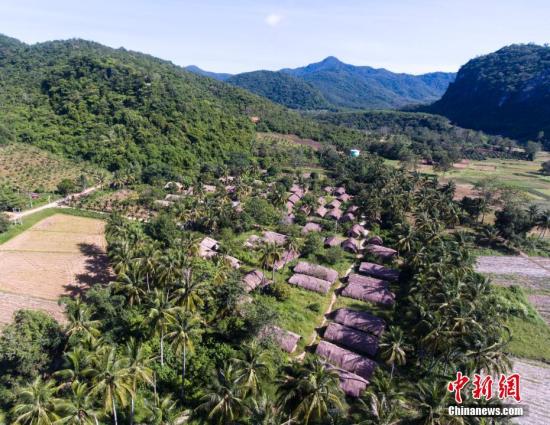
(183, 329)
(75, 362)
(138, 370)
(189, 294)
(80, 324)
(149, 257)
(78, 407)
(111, 380)
(251, 367)
(394, 348)
(129, 283)
(309, 391)
(430, 402)
(223, 404)
(160, 314)
(270, 253)
(36, 404)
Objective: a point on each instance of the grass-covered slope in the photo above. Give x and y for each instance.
(506, 92)
(281, 88)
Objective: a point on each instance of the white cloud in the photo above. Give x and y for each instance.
(273, 19)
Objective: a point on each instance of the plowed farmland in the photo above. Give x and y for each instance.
(60, 255)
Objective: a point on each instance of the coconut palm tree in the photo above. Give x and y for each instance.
(183, 330)
(111, 380)
(310, 391)
(251, 367)
(78, 408)
(80, 324)
(160, 313)
(138, 370)
(430, 402)
(393, 348)
(36, 404)
(190, 292)
(270, 253)
(75, 362)
(130, 283)
(223, 403)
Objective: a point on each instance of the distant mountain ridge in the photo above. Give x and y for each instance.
(341, 85)
(506, 92)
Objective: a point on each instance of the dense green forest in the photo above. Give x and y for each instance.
(396, 135)
(506, 92)
(363, 87)
(281, 88)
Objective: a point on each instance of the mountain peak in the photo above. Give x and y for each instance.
(331, 60)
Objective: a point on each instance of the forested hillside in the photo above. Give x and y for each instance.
(506, 92)
(281, 88)
(350, 86)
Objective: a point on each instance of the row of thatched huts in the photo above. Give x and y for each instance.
(313, 277)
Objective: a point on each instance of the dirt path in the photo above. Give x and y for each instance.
(54, 204)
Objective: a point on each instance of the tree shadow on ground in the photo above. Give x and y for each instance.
(97, 270)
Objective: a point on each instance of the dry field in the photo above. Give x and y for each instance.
(532, 266)
(535, 391)
(60, 255)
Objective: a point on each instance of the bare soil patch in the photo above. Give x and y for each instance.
(513, 265)
(535, 391)
(61, 255)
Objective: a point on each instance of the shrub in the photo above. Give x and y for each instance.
(65, 187)
(4, 223)
(333, 255)
(279, 290)
(316, 307)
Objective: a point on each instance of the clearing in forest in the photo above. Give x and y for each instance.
(60, 255)
(535, 391)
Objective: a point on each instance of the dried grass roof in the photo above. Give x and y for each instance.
(286, 257)
(344, 197)
(321, 211)
(369, 293)
(360, 320)
(311, 227)
(274, 237)
(357, 231)
(352, 385)
(293, 198)
(379, 271)
(317, 271)
(340, 190)
(381, 251)
(285, 339)
(254, 279)
(351, 245)
(347, 217)
(335, 214)
(375, 240)
(331, 241)
(310, 283)
(358, 341)
(335, 203)
(346, 359)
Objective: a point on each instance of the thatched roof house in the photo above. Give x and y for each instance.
(379, 271)
(288, 218)
(254, 279)
(287, 257)
(370, 292)
(163, 203)
(311, 227)
(358, 341)
(345, 359)
(321, 212)
(173, 186)
(296, 188)
(293, 198)
(344, 197)
(321, 200)
(208, 188)
(381, 251)
(233, 262)
(253, 241)
(317, 271)
(331, 241)
(352, 209)
(289, 207)
(310, 283)
(375, 240)
(352, 385)
(357, 231)
(340, 191)
(335, 214)
(347, 218)
(329, 189)
(288, 341)
(306, 209)
(173, 198)
(274, 237)
(208, 247)
(367, 280)
(335, 203)
(351, 245)
(360, 320)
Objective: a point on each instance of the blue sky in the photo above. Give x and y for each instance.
(241, 35)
